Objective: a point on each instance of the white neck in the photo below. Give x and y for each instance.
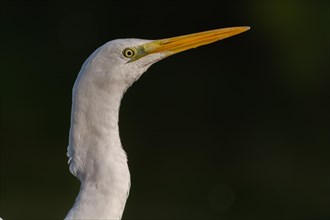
(98, 158)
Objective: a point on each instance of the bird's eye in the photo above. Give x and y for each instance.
(129, 52)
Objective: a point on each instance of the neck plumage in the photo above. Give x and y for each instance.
(96, 155)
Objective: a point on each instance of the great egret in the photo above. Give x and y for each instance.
(96, 156)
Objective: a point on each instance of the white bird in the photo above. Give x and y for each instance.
(96, 156)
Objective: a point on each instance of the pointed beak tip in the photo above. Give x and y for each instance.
(247, 28)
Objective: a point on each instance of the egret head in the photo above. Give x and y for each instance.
(125, 60)
(120, 59)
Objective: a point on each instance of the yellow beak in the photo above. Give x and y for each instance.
(170, 46)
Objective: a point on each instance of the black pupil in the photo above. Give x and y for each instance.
(129, 53)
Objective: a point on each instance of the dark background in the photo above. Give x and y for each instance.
(238, 129)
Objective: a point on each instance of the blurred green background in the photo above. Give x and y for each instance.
(238, 129)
